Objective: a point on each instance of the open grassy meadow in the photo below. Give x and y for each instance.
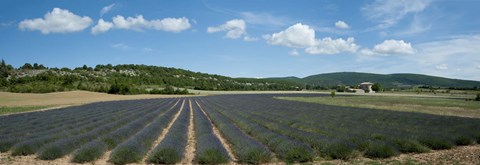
(429, 105)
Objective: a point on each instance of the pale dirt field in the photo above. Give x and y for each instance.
(8, 99)
(66, 99)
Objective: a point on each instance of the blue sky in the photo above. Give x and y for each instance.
(270, 38)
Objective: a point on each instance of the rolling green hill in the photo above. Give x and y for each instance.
(133, 79)
(129, 79)
(387, 80)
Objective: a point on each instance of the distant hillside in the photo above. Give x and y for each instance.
(135, 79)
(387, 80)
(124, 79)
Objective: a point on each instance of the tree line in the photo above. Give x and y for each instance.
(124, 79)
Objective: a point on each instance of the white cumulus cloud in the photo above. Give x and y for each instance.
(333, 46)
(57, 21)
(388, 12)
(139, 23)
(235, 28)
(106, 9)
(171, 24)
(341, 25)
(390, 47)
(101, 27)
(297, 36)
(302, 36)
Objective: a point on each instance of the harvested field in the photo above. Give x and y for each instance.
(23, 102)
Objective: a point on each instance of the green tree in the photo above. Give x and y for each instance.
(168, 90)
(377, 87)
(27, 66)
(38, 66)
(178, 91)
(333, 94)
(3, 69)
(184, 91)
(114, 89)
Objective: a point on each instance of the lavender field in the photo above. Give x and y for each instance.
(246, 129)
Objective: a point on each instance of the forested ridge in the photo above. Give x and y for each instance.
(125, 79)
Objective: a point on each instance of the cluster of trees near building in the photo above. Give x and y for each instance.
(125, 79)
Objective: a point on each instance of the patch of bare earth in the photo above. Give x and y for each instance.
(7, 158)
(190, 149)
(457, 155)
(219, 136)
(104, 159)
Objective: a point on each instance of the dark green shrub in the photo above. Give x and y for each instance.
(463, 140)
(410, 146)
(298, 154)
(477, 137)
(436, 143)
(111, 143)
(50, 153)
(22, 150)
(125, 155)
(339, 151)
(90, 152)
(254, 156)
(380, 150)
(212, 156)
(377, 136)
(165, 156)
(362, 145)
(5, 145)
